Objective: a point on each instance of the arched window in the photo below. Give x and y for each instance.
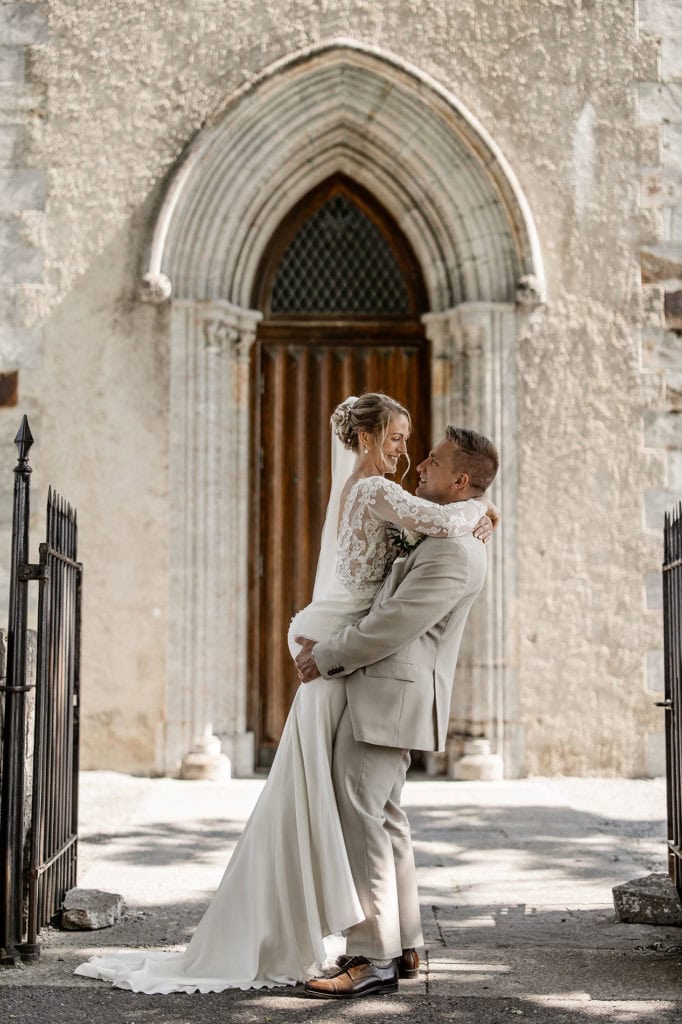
(339, 262)
(339, 253)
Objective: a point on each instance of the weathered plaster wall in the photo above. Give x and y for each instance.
(128, 86)
(660, 108)
(102, 438)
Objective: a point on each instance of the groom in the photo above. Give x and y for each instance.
(398, 666)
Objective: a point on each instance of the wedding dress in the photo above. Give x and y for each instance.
(288, 886)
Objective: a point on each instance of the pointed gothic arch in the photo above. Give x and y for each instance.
(343, 107)
(350, 110)
(375, 250)
(342, 298)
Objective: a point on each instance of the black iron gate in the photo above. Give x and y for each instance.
(672, 639)
(38, 845)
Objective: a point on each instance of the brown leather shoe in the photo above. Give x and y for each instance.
(408, 963)
(357, 977)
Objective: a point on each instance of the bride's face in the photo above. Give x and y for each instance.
(395, 443)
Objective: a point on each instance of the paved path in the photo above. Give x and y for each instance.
(515, 881)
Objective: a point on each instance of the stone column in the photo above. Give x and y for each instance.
(474, 385)
(209, 469)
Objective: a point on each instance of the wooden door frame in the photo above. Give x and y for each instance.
(373, 335)
(347, 330)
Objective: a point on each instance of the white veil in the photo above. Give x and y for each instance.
(343, 461)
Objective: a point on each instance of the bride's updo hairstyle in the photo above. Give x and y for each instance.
(371, 413)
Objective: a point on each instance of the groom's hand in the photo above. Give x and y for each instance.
(305, 663)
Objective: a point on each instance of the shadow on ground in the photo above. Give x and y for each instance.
(164, 844)
(536, 839)
(517, 920)
(37, 1006)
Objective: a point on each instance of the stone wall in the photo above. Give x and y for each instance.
(660, 108)
(116, 92)
(23, 187)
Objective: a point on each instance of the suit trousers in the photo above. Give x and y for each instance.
(368, 782)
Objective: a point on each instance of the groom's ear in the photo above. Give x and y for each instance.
(460, 481)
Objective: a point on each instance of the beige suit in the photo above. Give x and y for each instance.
(398, 664)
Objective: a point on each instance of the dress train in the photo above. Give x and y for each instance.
(288, 884)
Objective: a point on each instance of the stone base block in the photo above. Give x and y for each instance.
(89, 909)
(200, 765)
(240, 748)
(477, 763)
(649, 900)
(206, 761)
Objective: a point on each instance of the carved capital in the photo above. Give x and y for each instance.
(438, 330)
(247, 338)
(219, 336)
(229, 328)
(155, 288)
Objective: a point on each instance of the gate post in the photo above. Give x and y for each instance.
(14, 729)
(672, 644)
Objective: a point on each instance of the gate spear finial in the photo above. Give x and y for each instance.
(24, 440)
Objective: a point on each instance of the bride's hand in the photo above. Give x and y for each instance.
(483, 530)
(493, 515)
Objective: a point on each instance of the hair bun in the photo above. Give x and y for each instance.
(370, 413)
(341, 421)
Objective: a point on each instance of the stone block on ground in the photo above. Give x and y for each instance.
(477, 763)
(648, 900)
(90, 909)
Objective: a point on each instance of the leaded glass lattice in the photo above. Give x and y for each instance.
(339, 262)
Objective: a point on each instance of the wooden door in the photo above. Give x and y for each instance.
(303, 366)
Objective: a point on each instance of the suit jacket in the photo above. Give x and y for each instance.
(399, 660)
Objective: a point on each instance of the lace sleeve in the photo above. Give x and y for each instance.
(393, 504)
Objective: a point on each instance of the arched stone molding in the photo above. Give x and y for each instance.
(338, 108)
(356, 110)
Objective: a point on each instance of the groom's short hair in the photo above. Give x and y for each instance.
(477, 456)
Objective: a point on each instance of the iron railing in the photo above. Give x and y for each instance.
(672, 640)
(38, 856)
(54, 831)
(12, 817)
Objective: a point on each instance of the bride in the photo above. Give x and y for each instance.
(288, 885)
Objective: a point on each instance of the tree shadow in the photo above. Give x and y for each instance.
(517, 920)
(88, 1004)
(164, 844)
(536, 841)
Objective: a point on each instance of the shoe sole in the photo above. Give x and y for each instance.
(377, 991)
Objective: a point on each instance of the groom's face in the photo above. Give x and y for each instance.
(438, 476)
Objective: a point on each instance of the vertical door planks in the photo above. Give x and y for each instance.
(301, 381)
